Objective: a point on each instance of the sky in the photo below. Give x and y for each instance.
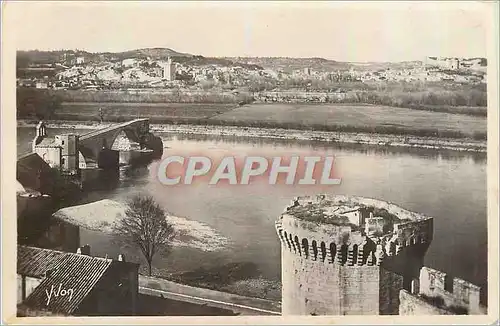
(356, 32)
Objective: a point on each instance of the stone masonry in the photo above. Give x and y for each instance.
(349, 255)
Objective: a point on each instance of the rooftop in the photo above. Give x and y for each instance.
(48, 143)
(74, 271)
(339, 210)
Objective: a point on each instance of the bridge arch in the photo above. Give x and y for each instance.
(92, 143)
(123, 142)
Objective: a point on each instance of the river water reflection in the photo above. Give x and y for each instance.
(449, 186)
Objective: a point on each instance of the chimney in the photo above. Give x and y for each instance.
(84, 250)
(48, 272)
(121, 257)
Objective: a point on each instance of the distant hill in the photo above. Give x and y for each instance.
(36, 57)
(291, 64)
(286, 64)
(153, 53)
(25, 58)
(373, 66)
(321, 64)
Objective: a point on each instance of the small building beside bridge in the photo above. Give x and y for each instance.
(61, 151)
(85, 158)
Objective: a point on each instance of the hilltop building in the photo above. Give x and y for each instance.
(128, 63)
(71, 59)
(358, 256)
(444, 63)
(169, 70)
(80, 60)
(97, 286)
(454, 64)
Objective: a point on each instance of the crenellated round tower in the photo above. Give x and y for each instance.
(349, 255)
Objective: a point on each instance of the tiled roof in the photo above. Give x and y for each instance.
(34, 262)
(69, 270)
(48, 143)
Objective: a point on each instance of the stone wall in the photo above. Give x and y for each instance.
(330, 268)
(327, 243)
(436, 293)
(411, 304)
(315, 288)
(389, 287)
(453, 291)
(407, 263)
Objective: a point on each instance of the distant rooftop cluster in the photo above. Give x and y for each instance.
(154, 68)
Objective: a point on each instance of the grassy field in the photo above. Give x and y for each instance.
(357, 117)
(321, 117)
(155, 111)
(478, 111)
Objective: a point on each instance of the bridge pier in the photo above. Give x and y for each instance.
(154, 144)
(100, 179)
(108, 159)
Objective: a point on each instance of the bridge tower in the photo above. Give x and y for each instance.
(349, 255)
(69, 152)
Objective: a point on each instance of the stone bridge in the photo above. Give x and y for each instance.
(92, 144)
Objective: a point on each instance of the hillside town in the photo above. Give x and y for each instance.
(78, 72)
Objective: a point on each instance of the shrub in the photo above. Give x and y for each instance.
(36, 103)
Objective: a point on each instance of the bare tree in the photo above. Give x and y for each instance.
(145, 226)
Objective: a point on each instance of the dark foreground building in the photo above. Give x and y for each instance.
(53, 282)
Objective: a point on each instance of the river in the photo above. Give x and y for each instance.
(449, 186)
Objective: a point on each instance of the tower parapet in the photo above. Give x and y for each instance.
(349, 255)
(436, 292)
(350, 230)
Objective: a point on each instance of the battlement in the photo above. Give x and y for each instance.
(446, 292)
(358, 252)
(350, 230)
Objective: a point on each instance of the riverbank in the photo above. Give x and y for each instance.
(242, 278)
(408, 141)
